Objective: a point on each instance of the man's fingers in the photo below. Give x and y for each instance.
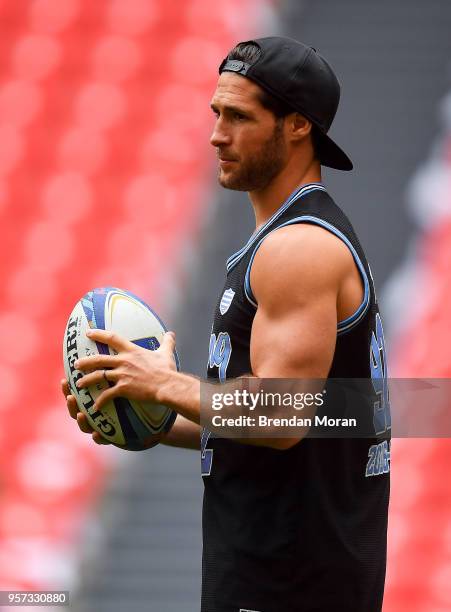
(72, 406)
(70, 399)
(86, 428)
(96, 362)
(65, 387)
(99, 439)
(117, 342)
(83, 423)
(96, 377)
(168, 342)
(105, 396)
(80, 417)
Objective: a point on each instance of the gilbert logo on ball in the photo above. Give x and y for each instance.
(128, 424)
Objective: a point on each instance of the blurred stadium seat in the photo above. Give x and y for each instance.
(103, 150)
(419, 543)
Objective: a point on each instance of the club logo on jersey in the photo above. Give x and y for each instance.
(226, 300)
(219, 353)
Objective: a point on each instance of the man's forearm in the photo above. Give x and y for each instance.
(183, 434)
(182, 393)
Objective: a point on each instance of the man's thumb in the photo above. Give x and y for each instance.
(168, 341)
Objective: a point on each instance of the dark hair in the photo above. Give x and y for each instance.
(249, 52)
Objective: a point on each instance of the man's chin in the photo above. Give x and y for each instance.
(230, 182)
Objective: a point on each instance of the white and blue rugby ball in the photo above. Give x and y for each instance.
(128, 424)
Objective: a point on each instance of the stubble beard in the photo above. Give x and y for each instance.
(258, 172)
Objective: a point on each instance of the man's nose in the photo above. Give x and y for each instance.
(219, 136)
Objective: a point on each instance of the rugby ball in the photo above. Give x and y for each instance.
(128, 424)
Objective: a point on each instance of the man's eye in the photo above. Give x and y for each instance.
(239, 116)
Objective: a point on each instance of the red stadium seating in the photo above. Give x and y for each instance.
(419, 568)
(104, 125)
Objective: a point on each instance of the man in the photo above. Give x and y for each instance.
(290, 524)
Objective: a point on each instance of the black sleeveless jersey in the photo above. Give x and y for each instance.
(303, 529)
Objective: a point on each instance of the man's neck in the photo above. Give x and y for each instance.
(266, 201)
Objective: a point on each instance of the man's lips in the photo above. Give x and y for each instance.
(223, 157)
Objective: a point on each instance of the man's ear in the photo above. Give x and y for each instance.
(299, 126)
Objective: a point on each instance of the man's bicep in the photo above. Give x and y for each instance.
(297, 341)
(296, 277)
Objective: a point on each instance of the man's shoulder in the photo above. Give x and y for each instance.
(301, 258)
(303, 245)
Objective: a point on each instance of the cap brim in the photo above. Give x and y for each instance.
(330, 154)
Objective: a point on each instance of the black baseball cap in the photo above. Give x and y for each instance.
(297, 75)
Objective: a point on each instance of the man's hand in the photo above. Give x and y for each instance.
(135, 372)
(81, 418)
(183, 434)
